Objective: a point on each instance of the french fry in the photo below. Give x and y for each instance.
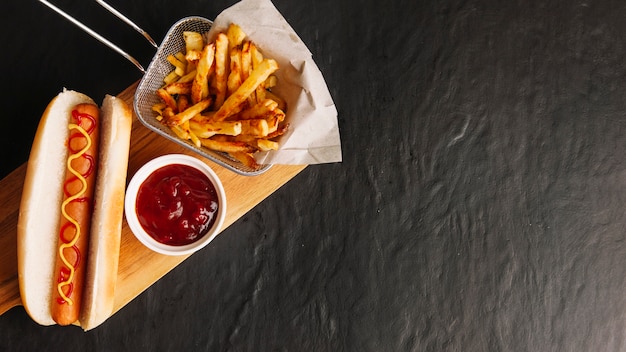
(246, 60)
(186, 115)
(178, 88)
(262, 144)
(200, 87)
(245, 158)
(167, 98)
(193, 56)
(167, 114)
(193, 41)
(188, 77)
(265, 145)
(246, 69)
(281, 102)
(226, 146)
(192, 63)
(256, 58)
(171, 77)
(279, 131)
(158, 108)
(181, 57)
(183, 102)
(178, 64)
(279, 114)
(272, 125)
(205, 117)
(221, 68)
(257, 76)
(188, 65)
(262, 110)
(255, 127)
(211, 128)
(234, 76)
(182, 134)
(194, 138)
(270, 82)
(235, 36)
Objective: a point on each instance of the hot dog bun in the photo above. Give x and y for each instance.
(106, 222)
(40, 206)
(38, 222)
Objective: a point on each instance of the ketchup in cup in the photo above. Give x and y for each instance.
(177, 204)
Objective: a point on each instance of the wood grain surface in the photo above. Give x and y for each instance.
(139, 267)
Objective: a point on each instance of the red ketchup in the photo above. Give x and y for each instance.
(177, 204)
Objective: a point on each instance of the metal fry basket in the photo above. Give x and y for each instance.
(159, 67)
(146, 97)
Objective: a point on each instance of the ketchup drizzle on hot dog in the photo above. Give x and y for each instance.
(64, 274)
(79, 120)
(85, 125)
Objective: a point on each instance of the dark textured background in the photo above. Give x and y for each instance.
(480, 205)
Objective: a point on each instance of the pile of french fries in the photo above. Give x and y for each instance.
(219, 96)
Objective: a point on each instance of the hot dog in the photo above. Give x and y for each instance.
(78, 188)
(71, 210)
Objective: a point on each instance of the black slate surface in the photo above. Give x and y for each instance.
(480, 205)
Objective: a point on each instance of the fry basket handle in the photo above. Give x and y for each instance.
(100, 38)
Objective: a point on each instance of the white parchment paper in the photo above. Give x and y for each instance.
(313, 135)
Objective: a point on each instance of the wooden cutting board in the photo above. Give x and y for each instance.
(139, 267)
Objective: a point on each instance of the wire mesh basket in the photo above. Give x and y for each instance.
(146, 97)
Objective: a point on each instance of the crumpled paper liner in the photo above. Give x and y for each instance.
(313, 135)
